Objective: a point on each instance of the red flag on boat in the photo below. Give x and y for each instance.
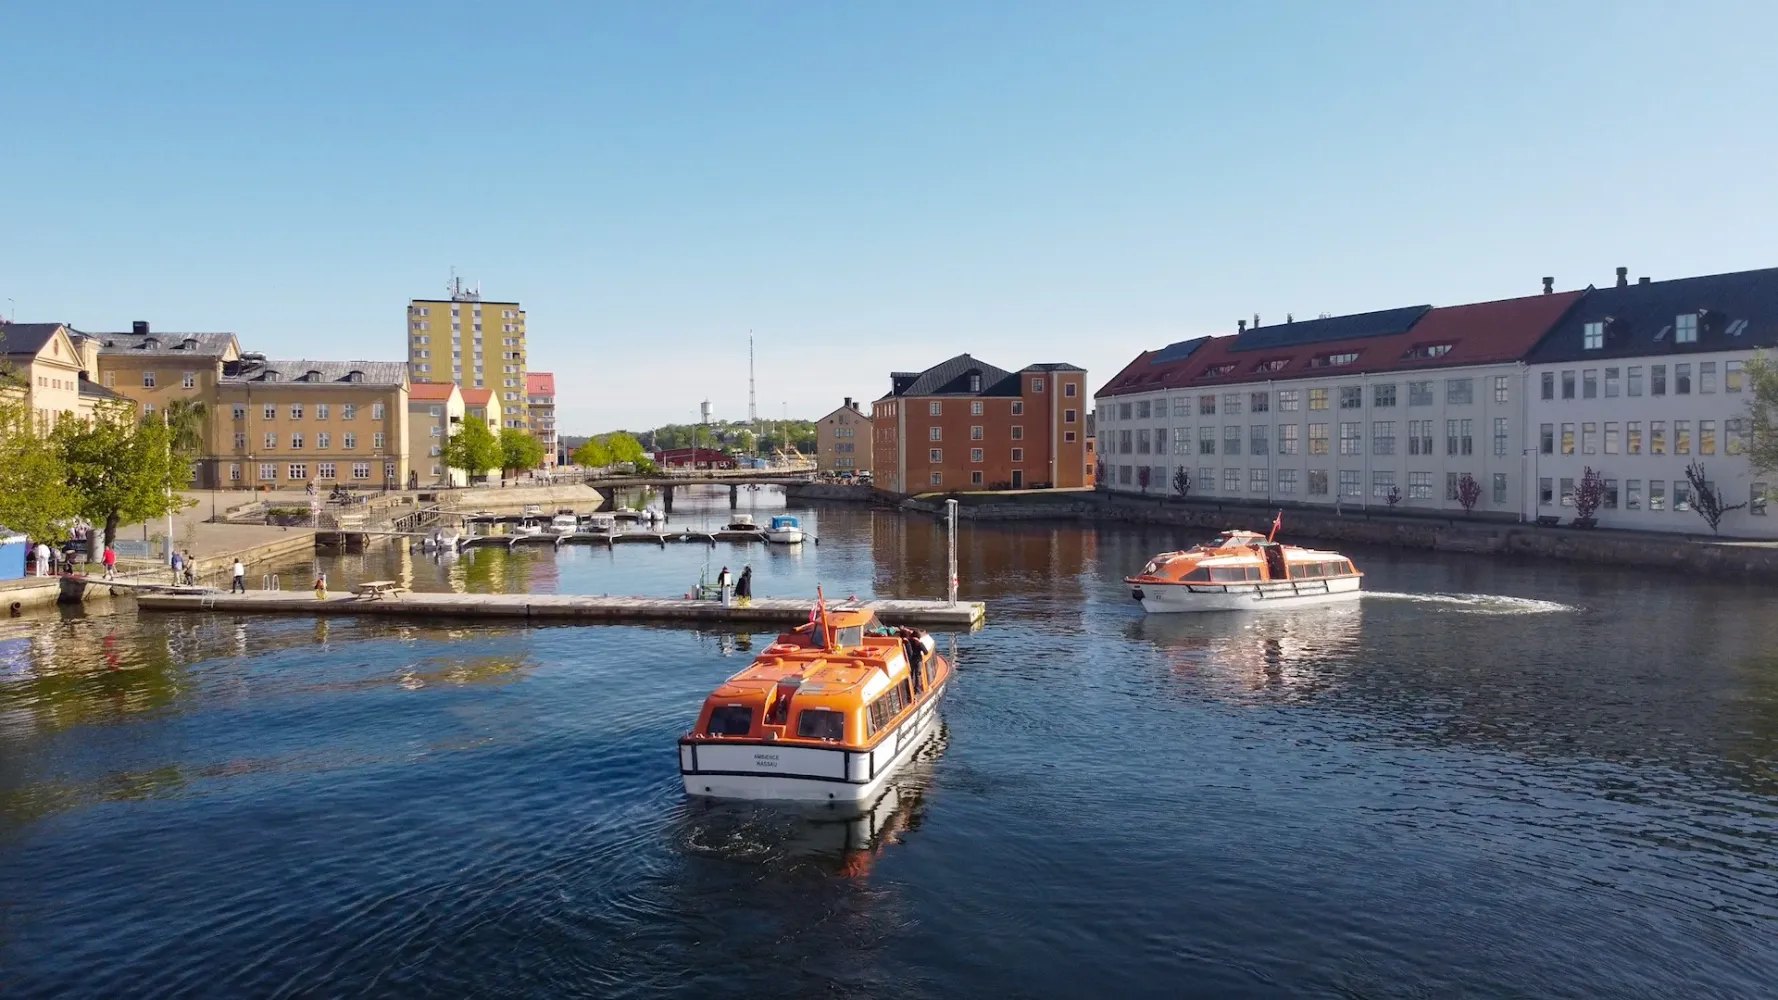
(1277, 522)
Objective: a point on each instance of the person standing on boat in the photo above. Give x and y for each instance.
(744, 587)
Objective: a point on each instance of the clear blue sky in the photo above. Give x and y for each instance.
(867, 186)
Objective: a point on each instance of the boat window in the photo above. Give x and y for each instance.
(887, 707)
(1252, 572)
(1346, 568)
(1309, 569)
(1199, 575)
(730, 720)
(1226, 574)
(821, 724)
(850, 637)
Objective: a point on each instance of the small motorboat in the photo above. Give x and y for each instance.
(533, 510)
(742, 522)
(826, 713)
(563, 524)
(1244, 570)
(530, 526)
(785, 530)
(598, 524)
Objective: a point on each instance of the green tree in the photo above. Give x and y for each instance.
(1762, 409)
(121, 472)
(186, 418)
(519, 451)
(624, 447)
(474, 449)
(34, 493)
(595, 454)
(743, 441)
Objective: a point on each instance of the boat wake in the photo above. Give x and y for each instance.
(1479, 604)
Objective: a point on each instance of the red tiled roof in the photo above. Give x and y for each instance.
(477, 397)
(431, 390)
(1476, 334)
(540, 384)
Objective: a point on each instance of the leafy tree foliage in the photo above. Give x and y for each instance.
(1589, 493)
(1468, 492)
(34, 494)
(1762, 408)
(186, 418)
(519, 451)
(624, 447)
(595, 454)
(120, 471)
(474, 449)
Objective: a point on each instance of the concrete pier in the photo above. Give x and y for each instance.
(557, 607)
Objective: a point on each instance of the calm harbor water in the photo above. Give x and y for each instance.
(1487, 778)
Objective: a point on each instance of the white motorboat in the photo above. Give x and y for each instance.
(1243, 571)
(530, 526)
(741, 522)
(563, 524)
(785, 530)
(598, 524)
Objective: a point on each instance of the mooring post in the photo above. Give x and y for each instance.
(734, 496)
(951, 525)
(667, 499)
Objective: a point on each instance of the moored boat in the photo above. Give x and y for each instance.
(1244, 570)
(598, 524)
(785, 530)
(826, 713)
(563, 524)
(741, 522)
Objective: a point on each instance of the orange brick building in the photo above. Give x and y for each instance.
(967, 425)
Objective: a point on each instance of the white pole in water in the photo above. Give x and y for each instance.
(951, 519)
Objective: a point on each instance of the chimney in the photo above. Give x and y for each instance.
(1289, 318)
(1623, 277)
(1256, 321)
(139, 327)
(1549, 285)
(848, 402)
(1240, 326)
(1642, 280)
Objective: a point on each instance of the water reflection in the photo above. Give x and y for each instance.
(1281, 654)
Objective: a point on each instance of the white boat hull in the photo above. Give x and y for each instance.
(785, 536)
(784, 773)
(1174, 598)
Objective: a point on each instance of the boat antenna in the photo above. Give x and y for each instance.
(1277, 522)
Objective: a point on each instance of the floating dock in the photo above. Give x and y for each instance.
(557, 607)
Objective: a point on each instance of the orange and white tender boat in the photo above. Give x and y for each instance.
(826, 713)
(1244, 570)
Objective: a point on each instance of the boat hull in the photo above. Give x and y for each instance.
(785, 536)
(1177, 598)
(786, 773)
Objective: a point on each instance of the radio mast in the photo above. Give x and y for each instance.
(752, 401)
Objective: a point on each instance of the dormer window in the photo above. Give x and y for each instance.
(1333, 360)
(975, 381)
(1685, 328)
(1423, 351)
(270, 375)
(354, 376)
(1592, 335)
(312, 375)
(1275, 364)
(1217, 371)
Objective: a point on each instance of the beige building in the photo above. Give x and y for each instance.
(476, 344)
(44, 362)
(434, 412)
(289, 423)
(481, 404)
(843, 440)
(540, 392)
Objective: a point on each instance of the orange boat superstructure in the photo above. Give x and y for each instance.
(825, 713)
(1243, 570)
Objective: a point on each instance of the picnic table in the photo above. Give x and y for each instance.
(376, 590)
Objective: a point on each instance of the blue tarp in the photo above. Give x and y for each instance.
(12, 554)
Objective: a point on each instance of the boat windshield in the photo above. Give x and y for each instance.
(730, 720)
(821, 724)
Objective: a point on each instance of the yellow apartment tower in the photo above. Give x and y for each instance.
(475, 343)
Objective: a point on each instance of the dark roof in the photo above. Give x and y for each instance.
(206, 344)
(26, 338)
(93, 390)
(258, 369)
(1382, 323)
(1054, 366)
(1479, 333)
(951, 378)
(1736, 312)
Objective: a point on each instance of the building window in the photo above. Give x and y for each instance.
(360, 470)
(975, 408)
(1685, 331)
(1657, 385)
(1018, 408)
(1067, 437)
(937, 479)
(296, 442)
(1756, 500)
(1381, 484)
(1589, 438)
(1459, 391)
(321, 411)
(1317, 439)
(935, 455)
(1231, 403)
(1589, 384)
(1567, 497)
(1383, 395)
(268, 471)
(1207, 405)
(1657, 495)
(110, 380)
(1419, 393)
(1546, 439)
(239, 412)
(189, 380)
(1499, 488)
(1706, 437)
(1611, 383)
(1568, 385)
(1351, 483)
(1682, 437)
(1142, 441)
(1502, 390)
(1419, 437)
(975, 454)
(1548, 383)
(1633, 375)
(1682, 380)
(1657, 437)
(1259, 402)
(1592, 336)
(376, 411)
(1123, 475)
(1124, 438)
(1383, 437)
(1731, 376)
(324, 439)
(376, 441)
(1142, 410)
(1231, 480)
(1546, 493)
(240, 440)
(1069, 416)
(1682, 495)
(1419, 486)
(1287, 480)
(1567, 439)
(1317, 399)
(1231, 440)
(1182, 406)
(1037, 385)
(1068, 389)
(271, 441)
(1018, 454)
(1633, 494)
(1611, 437)
(1289, 400)
(1734, 436)
(296, 411)
(1018, 432)
(298, 470)
(1706, 377)
(234, 472)
(1287, 439)
(1206, 440)
(1258, 439)
(935, 433)
(975, 477)
(324, 470)
(349, 441)
(1318, 482)
(1351, 440)
(1500, 436)
(1351, 397)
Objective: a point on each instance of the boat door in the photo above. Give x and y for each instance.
(1275, 562)
(1018, 479)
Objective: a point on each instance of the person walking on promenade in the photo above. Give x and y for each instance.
(744, 587)
(239, 573)
(191, 569)
(178, 566)
(110, 561)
